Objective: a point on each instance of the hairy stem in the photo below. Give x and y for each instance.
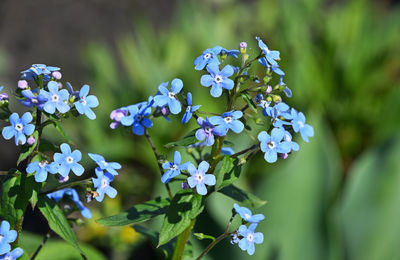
(158, 159)
(182, 241)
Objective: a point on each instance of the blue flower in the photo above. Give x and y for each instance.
(173, 168)
(68, 161)
(233, 52)
(55, 98)
(73, 195)
(85, 103)
(3, 96)
(299, 125)
(246, 214)
(293, 145)
(71, 91)
(19, 128)
(169, 97)
(228, 120)
(41, 169)
(37, 70)
(110, 167)
(7, 236)
(199, 178)
(13, 255)
(286, 90)
(102, 185)
(206, 131)
(189, 110)
(208, 56)
(217, 79)
(275, 67)
(137, 118)
(33, 99)
(227, 150)
(271, 56)
(249, 238)
(276, 112)
(272, 144)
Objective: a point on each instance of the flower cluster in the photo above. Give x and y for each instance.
(8, 236)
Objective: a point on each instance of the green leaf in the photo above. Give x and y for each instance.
(185, 141)
(184, 207)
(16, 193)
(57, 221)
(27, 149)
(226, 172)
(61, 130)
(247, 98)
(45, 145)
(138, 213)
(243, 197)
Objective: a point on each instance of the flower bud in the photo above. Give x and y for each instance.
(277, 98)
(3, 97)
(31, 140)
(22, 84)
(269, 89)
(62, 179)
(243, 47)
(266, 79)
(223, 54)
(284, 155)
(185, 185)
(56, 75)
(269, 99)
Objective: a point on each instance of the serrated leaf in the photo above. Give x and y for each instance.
(184, 207)
(57, 221)
(185, 141)
(227, 171)
(138, 213)
(243, 197)
(27, 149)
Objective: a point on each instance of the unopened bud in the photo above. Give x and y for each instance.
(62, 179)
(243, 47)
(266, 79)
(269, 89)
(185, 185)
(31, 140)
(277, 99)
(22, 84)
(269, 99)
(284, 155)
(56, 75)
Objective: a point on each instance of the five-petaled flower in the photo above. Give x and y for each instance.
(38, 69)
(137, 118)
(7, 236)
(217, 79)
(189, 110)
(249, 238)
(272, 144)
(68, 161)
(85, 103)
(275, 67)
(110, 167)
(271, 56)
(208, 56)
(246, 214)
(102, 184)
(173, 168)
(12, 255)
(73, 195)
(228, 120)
(299, 125)
(33, 99)
(199, 178)
(19, 128)
(277, 112)
(169, 97)
(206, 131)
(41, 169)
(56, 99)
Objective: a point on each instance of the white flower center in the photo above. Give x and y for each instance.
(42, 164)
(34, 100)
(250, 237)
(218, 79)
(104, 183)
(55, 98)
(7, 258)
(247, 216)
(104, 163)
(287, 138)
(228, 119)
(83, 101)
(138, 117)
(174, 167)
(199, 177)
(171, 94)
(266, 50)
(271, 145)
(207, 56)
(301, 124)
(19, 127)
(188, 108)
(69, 159)
(208, 130)
(264, 103)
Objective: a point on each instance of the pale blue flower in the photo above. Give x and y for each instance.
(68, 161)
(208, 56)
(173, 168)
(169, 97)
(217, 79)
(102, 184)
(249, 238)
(41, 169)
(199, 178)
(56, 99)
(85, 103)
(7, 236)
(19, 128)
(272, 144)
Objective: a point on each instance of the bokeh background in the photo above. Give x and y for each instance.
(337, 198)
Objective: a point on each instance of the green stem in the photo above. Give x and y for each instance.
(182, 241)
(253, 147)
(212, 244)
(46, 237)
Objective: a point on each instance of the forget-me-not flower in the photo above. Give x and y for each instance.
(272, 144)
(102, 184)
(293, 145)
(41, 169)
(73, 195)
(207, 57)
(33, 99)
(3, 96)
(137, 118)
(233, 53)
(189, 110)
(246, 214)
(249, 238)
(19, 128)
(85, 103)
(228, 120)
(299, 125)
(206, 131)
(13, 255)
(169, 98)
(173, 168)
(110, 167)
(56, 99)
(68, 161)
(199, 178)
(279, 110)
(275, 67)
(271, 56)
(38, 69)
(7, 236)
(217, 79)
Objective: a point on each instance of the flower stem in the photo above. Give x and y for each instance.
(158, 159)
(46, 237)
(253, 147)
(182, 241)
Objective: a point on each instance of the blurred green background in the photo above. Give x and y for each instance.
(337, 198)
